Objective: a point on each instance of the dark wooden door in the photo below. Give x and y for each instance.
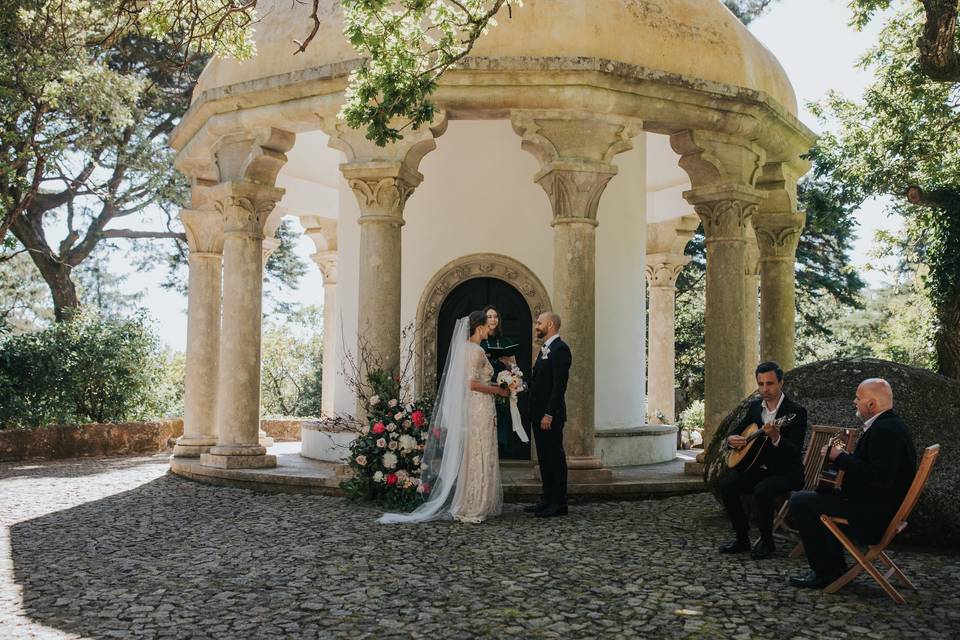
(516, 324)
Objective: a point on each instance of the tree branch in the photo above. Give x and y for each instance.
(937, 45)
(130, 233)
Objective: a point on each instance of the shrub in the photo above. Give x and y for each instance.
(691, 424)
(85, 369)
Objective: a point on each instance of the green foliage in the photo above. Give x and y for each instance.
(747, 10)
(386, 456)
(82, 370)
(904, 132)
(24, 301)
(407, 46)
(291, 370)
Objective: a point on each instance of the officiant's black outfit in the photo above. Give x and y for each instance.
(548, 385)
(877, 477)
(777, 471)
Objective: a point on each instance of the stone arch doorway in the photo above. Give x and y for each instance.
(470, 283)
(515, 317)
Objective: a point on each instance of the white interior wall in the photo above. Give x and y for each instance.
(621, 319)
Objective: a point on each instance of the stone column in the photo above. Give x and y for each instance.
(269, 245)
(382, 179)
(245, 207)
(751, 289)
(205, 238)
(665, 259)
(575, 150)
(778, 226)
(722, 173)
(327, 261)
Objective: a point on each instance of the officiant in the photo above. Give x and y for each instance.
(502, 353)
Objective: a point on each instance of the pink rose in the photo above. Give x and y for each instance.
(418, 418)
(391, 479)
(361, 460)
(381, 443)
(424, 487)
(378, 428)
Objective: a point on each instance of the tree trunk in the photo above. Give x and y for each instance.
(948, 337)
(56, 274)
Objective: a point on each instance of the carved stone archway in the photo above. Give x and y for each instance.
(478, 265)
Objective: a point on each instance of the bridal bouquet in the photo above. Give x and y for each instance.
(512, 379)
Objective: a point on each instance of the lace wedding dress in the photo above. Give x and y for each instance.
(460, 463)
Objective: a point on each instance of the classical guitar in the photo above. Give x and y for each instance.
(743, 458)
(829, 478)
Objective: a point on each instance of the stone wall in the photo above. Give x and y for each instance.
(283, 429)
(72, 441)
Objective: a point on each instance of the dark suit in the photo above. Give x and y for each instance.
(778, 470)
(548, 384)
(878, 476)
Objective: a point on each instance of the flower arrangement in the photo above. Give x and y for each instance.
(386, 456)
(512, 379)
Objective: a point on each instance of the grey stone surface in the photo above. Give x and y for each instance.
(929, 405)
(117, 548)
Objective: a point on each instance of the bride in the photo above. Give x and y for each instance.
(460, 464)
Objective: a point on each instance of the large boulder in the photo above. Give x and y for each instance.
(929, 405)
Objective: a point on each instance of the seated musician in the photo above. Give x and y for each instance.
(877, 477)
(777, 470)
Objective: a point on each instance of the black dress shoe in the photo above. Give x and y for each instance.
(812, 580)
(739, 545)
(762, 550)
(534, 508)
(552, 511)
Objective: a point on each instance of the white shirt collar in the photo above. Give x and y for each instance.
(551, 339)
(776, 408)
(869, 423)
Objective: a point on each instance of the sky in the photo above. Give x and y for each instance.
(814, 44)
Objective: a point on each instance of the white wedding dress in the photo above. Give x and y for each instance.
(460, 461)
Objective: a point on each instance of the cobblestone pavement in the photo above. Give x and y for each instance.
(116, 548)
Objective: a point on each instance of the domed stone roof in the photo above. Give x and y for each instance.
(699, 39)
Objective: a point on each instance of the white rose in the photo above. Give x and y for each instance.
(378, 476)
(391, 427)
(399, 416)
(361, 460)
(402, 475)
(416, 459)
(392, 403)
(408, 443)
(381, 443)
(374, 401)
(392, 446)
(389, 460)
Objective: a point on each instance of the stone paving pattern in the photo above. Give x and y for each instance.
(118, 548)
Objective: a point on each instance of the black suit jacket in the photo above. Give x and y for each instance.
(786, 458)
(879, 473)
(548, 384)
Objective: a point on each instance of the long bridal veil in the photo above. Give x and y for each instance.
(443, 455)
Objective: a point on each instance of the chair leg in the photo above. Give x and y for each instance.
(895, 571)
(864, 562)
(780, 519)
(797, 551)
(844, 580)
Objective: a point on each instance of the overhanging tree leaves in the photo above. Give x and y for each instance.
(904, 133)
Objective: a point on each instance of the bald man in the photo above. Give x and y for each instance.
(878, 475)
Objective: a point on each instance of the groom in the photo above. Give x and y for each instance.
(548, 413)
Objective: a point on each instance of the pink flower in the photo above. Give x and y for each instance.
(418, 418)
(424, 487)
(382, 443)
(437, 433)
(391, 479)
(362, 460)
(378, 428)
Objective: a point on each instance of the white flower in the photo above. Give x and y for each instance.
(399, 416)
(392, 446)
(389, 460)
(424, 467)
(378, 476)
(419, 488)
(407, 424)
(408, 443)
(391, 427)
(374, 401)
(392, 403)
(402, 475)
(416, 459)
(381, 443)
(361, 460)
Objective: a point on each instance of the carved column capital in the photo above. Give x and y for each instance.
(711, 159)
(204, 229)
(725, 213)
(245, 206)
(574, 193)
(778, 235)
(663, 269)
(381, 190)
(327, 261)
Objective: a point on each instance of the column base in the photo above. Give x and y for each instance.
(192, 446)
(693, 468)
(582, 470)
(218, 461)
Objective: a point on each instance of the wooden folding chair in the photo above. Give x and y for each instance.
(876, 552)
(819, 436)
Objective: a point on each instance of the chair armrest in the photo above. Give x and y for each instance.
(834, 519)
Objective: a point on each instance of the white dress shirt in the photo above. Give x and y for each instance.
(767, 415)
